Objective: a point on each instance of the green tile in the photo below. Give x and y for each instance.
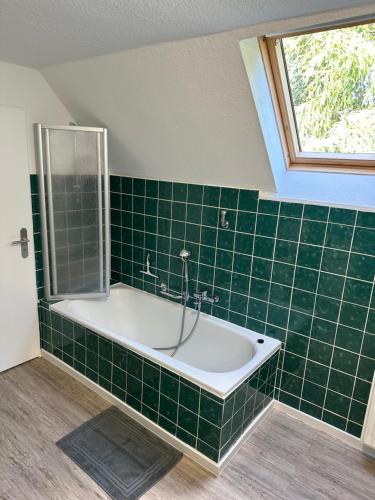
(195, 193)
(152, 188)
(150, 397)
(335, 420)
(225, 239)
(187, 420)
(361, 267)
(342, 216)
(354, 429)
(266, 225)
(105, 369)
(357, 412)
(282, 273)
(119, 377)
(299, 322)
(189, 397)
(291, 384)
(288, 229)
(151, 375)
(316, 373)
(268, 207)
(261, 268)
(366, 219)
(257, 309)
(303, 301)
(341, 382)
(248, 200)
(335, 261)
(311, 409)
(348, 338)
(368, 347)
(240, 283)
(327, 308)
(353, 315)
(294, 364)
(337, 403)
(210, 216)
(135, 365)
(222, 278)
(285, 251)
(209, 433)
(313, 393)
(245, 222)
(244, 243)
(229, 197)
(264, 247)
(211, 410)
(320, 352)
(331, 285)
(344, 361)
(297, 344)
(291, 209)
(194, 213)
(313, 232)
(211, 196)
(280, 295)
(168, 408)
(165, 190)
(134, 387)
(139, 187)
(169, 385)
(309, 256)
(277, 316)
(357, 292)
(361, 390)
(315, 212)
(366, 367)
(339, 236)
(306, 279)
(179, 191)
(241, 263)
(323, 330)
(259, 289)
(364, 241)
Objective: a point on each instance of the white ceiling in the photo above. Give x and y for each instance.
(43, 32)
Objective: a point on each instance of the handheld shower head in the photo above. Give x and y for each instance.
(185, 255)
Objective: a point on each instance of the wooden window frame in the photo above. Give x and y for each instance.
(277, 79)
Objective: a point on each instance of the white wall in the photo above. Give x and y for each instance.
(27, 88)
(181, 111)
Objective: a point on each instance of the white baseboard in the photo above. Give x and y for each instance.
(319, 424)
(196, 456)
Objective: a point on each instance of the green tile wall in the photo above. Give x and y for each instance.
(200, 419)
(37, 235)
(300, 273)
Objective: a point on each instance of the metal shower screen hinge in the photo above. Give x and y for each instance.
(23, 242)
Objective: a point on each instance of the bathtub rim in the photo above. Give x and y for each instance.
(190, 373)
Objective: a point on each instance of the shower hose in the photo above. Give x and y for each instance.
(182, 340)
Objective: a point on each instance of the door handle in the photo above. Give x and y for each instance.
(23, 242)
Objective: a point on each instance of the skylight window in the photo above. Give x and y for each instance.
(324, 95)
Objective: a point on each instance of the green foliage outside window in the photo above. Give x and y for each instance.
(332, 82)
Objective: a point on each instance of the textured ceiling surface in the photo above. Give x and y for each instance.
(44, 32)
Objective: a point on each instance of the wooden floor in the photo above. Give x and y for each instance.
(284, 458)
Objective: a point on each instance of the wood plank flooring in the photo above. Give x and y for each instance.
(283, 459)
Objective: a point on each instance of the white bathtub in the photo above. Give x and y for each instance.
(218, 356)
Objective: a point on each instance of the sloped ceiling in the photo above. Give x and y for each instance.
(40, 32)
(180, 110)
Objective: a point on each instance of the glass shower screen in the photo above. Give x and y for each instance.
(74, 194)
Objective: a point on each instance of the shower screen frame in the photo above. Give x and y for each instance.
(47, 216)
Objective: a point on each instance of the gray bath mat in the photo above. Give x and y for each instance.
(119, 454)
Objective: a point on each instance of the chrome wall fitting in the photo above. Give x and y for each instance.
(185, 255)
(148, 270)
(164, 291)
(224, 224)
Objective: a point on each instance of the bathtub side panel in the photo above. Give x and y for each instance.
(197, 417)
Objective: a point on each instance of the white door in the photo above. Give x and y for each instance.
(19, 330)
